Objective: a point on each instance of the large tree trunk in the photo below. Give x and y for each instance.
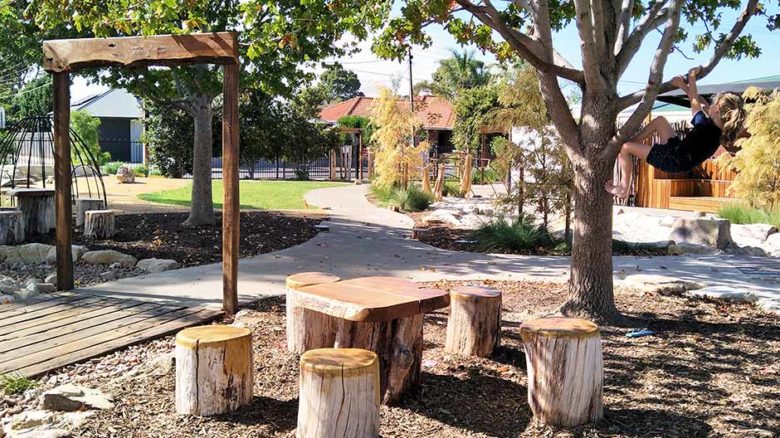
(202, 208)
(590, 285)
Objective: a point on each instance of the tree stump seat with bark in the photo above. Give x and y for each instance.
(339, 394)
(213, 369)
(37, 206)
(99, 224)
(565, 370)
(83, 205)
(11, 226)
(474, 323)
(304, 324)
(379, 314)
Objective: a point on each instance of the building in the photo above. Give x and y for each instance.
(121, 123)
(436, 115)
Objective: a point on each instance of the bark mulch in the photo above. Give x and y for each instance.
(163, 236)
(711, 370)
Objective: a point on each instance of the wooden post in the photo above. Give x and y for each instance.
(214, 369)
(230, 210)
(565, 370)
(307, 329)
(474, 324)
(438, 189)
(62, 180)
(339, 394)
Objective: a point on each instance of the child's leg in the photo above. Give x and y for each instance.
(658, 126)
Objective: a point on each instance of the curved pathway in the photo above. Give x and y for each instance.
(365, 240)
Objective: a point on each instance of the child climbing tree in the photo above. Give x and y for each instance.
(397, 158)
(610, 35)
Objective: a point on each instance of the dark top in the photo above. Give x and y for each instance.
(702, 141)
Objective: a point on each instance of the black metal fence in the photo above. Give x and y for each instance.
(123, 150)
(319, 169)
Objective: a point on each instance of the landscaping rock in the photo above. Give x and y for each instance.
(107, 276)
(660, 284)
(69, 398)
(157, 265)
(710, 232)
(8, 285)
(76, 252)
(722, 293)
(47, 288)
(108, 257)
(51, 278)
(125, 175)
(772, 245)
(7, 299)
(29, 420)
(28, 254)
(690, 248)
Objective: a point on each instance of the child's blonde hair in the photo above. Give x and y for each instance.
(732, 114)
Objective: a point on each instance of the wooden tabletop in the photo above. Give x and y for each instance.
(32, 191)
(371, 299)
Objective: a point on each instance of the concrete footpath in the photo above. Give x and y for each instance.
(365, 240)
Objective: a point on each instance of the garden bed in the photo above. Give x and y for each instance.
(711, 370)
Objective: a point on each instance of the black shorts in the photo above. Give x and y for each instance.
(669, 157)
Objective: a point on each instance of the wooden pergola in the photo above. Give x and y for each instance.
(62, 57)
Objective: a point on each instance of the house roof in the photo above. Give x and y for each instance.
(434, 112)
(112, 103)
(678, 96)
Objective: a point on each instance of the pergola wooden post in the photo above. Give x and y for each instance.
(62, 57)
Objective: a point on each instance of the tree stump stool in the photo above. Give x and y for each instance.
(214, 369)
(339, 394)
(379, 314)
(84, 205)
(99, 224)
(565, 370)
(11, 226)
(37, 206)
(474, 324)
(307, 329)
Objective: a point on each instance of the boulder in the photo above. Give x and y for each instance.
(156, 265)
(30, 289)
(30, 419)
(69, 398)
(772, 245)
(28, 254)
(51, 278)
(6, 299)
(125, 175)
(683, 248)
(8, 285)
(710, 232)
(47, 288)
(76, 251)
(108, 257)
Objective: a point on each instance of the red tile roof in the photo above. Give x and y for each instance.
(434, 112)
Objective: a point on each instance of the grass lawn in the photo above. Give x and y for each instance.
(265, 195)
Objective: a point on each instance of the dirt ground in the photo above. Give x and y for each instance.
(711, 370)
(124, 197)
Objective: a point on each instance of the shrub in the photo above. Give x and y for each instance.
(490, 177)
(111, 167)
(412, 199)
(743, 214)
(451, 188)
(15, 384)
(154, 172)
(141, 170)
(382, 194)
(521, 235)
(301, 174)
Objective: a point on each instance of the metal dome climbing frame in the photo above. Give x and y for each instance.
(27, 160)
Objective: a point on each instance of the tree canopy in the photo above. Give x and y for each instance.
(339, 84)
(459, 72)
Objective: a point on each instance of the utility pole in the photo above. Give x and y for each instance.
(411, 108)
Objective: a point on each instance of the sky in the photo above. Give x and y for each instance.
(374, 72)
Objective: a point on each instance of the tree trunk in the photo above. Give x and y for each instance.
(99, 224)
(590, 285)
(474, 323)
(202, 207)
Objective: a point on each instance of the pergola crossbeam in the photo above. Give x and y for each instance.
(161, 50)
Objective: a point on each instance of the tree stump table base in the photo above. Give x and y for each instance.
(83, 205)
(214, 369)
(37, 206)
(339, 394)
(11, 226)
(565, 370)
(307, 329)
(474, 323)
(99, 224)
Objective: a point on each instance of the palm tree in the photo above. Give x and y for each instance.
(461, 71)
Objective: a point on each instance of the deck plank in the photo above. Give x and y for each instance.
(83, 306)
(108, 341)
(41, 309)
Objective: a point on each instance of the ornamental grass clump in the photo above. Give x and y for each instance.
(505, 236)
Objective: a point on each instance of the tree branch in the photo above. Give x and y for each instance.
(654, 80)
(526, 47)
(590, 59)
(654, 18)
(624, 25)
(720, 50)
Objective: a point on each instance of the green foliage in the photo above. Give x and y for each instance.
(339, 84)
(470, 110)
(744, 214)
(459, 72)
(86, 128)
(15, 384)
(451, 188)
(412, 199)
(486, 175)
(112, 167)
(757, 163)
(141, 171)
(34, 99)
(169, 134)
(504, 236)
(364, 123)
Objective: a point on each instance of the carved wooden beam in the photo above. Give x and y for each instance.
(164, 50)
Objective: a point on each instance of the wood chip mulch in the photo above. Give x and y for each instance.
(711, 370)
